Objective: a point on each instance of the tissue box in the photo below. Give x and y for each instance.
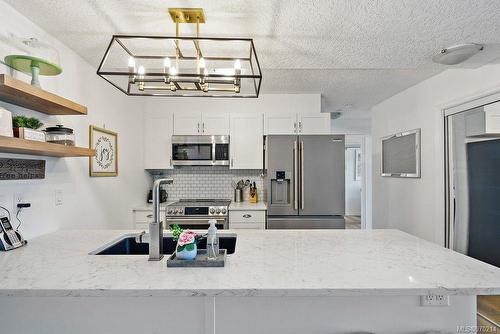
(5, 123)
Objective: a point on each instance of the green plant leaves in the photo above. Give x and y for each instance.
(26, 122)
(189, 247)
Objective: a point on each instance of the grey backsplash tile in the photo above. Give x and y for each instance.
(209, 182)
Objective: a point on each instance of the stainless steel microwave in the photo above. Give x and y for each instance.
(200, 150)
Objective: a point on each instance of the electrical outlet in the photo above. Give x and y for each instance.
(435, 300)
(18, 198)
(58, 197)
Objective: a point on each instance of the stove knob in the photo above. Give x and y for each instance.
(224, 211)
(169, 211)
(175, 211)
(212, 211)
(218, 211)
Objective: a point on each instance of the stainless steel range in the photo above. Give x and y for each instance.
(195, 213)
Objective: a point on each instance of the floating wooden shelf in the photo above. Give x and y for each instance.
(25, 95)
(23, 146)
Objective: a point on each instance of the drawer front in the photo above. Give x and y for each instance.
(247, 217)
(247, 226)
(141, 216)
(142, 226)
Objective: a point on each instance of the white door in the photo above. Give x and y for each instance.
(214, 123)
(246, 135)
(281, 123)
(158, 142)
(314, 124)
(187, 123)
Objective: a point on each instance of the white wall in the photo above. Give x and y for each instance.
(351, 126)
(417, 205)
(87, 202)
(352, 186)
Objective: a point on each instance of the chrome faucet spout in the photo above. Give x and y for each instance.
(156, 226)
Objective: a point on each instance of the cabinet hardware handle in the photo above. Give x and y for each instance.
(300, 126)
(149, 216)
(247, 216)
(294, 126)
(203, 127)
(198, 127)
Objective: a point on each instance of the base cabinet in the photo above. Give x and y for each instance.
(247, 219)
(142, 218)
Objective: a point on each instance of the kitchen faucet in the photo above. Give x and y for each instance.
(156, 226)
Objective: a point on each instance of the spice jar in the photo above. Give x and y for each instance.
(60, 135)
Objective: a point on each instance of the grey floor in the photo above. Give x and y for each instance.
(353, 222)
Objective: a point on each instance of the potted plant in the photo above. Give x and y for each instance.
(26, 128)
(187, 242)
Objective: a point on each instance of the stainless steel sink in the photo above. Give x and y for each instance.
(127, 245)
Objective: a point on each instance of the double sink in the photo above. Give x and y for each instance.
(128, 245)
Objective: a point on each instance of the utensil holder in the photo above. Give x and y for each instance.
(238, 195)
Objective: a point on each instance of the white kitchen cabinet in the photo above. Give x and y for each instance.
(158, 142)
(297, 123)
(143, 216)
(213, 123)
(196, 123)
(247, 219)
(280, 123)
(246, 147)
(314, 124)
(187, 123)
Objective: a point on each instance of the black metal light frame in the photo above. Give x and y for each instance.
(189, 77)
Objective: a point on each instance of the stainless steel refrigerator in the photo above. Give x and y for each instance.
(305, 181)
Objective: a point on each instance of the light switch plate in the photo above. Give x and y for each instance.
(435, 300)
(58, 197)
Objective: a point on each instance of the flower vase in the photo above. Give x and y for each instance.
(188, 252)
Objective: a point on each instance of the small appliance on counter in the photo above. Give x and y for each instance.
(163, 196)
(60, 135)
(9, 238)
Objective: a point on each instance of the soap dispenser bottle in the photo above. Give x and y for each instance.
(212, 241)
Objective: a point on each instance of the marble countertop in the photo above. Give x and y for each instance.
(266, 263)
(247, 206)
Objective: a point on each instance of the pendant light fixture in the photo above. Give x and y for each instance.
(182, 66)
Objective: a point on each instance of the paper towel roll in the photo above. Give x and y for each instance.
(5, 123)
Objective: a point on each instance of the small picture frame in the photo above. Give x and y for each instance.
(105, 143)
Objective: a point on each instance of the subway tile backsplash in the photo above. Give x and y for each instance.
(209, 182)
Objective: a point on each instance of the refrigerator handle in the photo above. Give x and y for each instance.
(295, 177)
(301, 175)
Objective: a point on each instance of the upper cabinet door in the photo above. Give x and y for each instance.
(314, 124)
(158, 142)
(187, 123)
(214, 123)
(281, 123)
(246, 136)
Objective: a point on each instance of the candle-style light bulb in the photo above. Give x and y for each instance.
(173, 70)
(237, 66)
(166, 63)
(201, 65)
(141, 72)
(131, 64)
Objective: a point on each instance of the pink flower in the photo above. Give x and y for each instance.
(186, 237)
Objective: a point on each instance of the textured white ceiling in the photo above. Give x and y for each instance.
(355, 52)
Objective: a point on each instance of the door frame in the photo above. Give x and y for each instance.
(457, 106)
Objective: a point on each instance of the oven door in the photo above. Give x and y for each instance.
(196, 223)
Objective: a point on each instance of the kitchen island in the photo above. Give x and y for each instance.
(335, 281)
